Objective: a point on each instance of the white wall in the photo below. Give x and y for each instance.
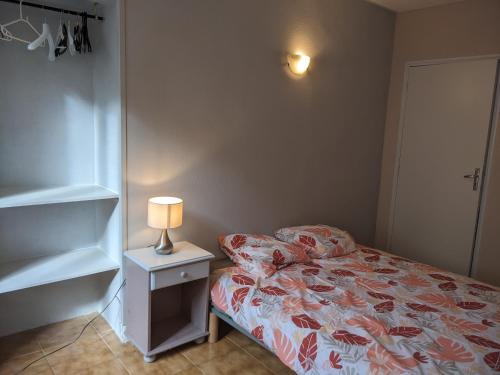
(214, 118)
(467, 28)
(49, 108)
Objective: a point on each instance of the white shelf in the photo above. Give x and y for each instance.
(172, 332)
(26, 196)
(33, 272)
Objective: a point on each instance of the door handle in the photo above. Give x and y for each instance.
(475, 178)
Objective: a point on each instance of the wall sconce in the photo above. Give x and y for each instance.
(298, 63)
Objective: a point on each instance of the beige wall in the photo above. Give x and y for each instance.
(213, 116)
(469, 28)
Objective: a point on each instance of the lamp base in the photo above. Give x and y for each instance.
(164, 246)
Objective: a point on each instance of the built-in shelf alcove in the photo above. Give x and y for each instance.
(61, 174)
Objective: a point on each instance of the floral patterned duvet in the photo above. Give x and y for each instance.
(367, 312)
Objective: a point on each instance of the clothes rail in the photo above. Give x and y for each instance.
(54, 9)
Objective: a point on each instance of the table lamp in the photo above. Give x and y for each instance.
(164, 213)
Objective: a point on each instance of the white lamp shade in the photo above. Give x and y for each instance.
(164, 212)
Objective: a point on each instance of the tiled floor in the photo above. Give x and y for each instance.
(99, 351)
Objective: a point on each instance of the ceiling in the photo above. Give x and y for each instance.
(407, 5)
(395, 5)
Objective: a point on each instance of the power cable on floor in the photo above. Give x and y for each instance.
(80, 335)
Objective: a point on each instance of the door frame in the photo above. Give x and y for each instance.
(485, 174)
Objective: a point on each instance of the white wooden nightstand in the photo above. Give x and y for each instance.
(166, 301)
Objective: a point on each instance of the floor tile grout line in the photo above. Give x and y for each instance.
(102, 334)
(114, 354)
(98, 330)
(44, 357)
(123, 365)
(47, 352)
(24, 354)
(251, 355)
(258, 360)
(190, 361)
(239, 347)
(101, 338)
(40, 349)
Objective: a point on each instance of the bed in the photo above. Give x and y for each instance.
(365, 312)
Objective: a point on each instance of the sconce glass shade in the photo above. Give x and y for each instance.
(164, 212)
(298, 63)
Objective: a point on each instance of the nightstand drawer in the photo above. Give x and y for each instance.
(179, 275)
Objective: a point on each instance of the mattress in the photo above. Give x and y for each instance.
(367, 312)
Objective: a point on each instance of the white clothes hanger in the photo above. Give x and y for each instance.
(71, 41)
(44, 36)
(5, 34)
(59, 34)
(8, 36)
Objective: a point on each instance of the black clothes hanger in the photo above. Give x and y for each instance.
(77, 38)
(86, 46)
(62, 46)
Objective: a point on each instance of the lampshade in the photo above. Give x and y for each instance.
(164, 212)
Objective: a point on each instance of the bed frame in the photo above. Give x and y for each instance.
(213, 327)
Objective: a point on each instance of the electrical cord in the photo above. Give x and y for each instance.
(79, 335)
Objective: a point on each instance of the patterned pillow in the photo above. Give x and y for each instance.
(261, 255)
(320, 241)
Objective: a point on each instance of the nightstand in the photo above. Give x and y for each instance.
(166, 297)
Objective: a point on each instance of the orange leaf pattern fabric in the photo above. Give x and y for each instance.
(238, 298)
(304, 321)
(371, 284)
(405, 331)
(292, 283)
(284, 348)
(258, 333)
(413, 280)
(243, 280)
(349, 299)
(384, 361)
(493, 360)
(218, 295)
(448, 350)
(373, 326)
(308, 351)
(335, 360)
(483, 342)
(437, 300)
(349, 338)
(259, 254)
(462, 325)
(320, 241)
(294, 305)
(342, 315)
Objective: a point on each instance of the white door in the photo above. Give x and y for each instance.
(445, 128)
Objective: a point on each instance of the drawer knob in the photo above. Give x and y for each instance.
(184, 274)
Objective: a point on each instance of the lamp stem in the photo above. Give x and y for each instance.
(164, 246)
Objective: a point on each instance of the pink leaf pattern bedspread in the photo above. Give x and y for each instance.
(367, 312)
